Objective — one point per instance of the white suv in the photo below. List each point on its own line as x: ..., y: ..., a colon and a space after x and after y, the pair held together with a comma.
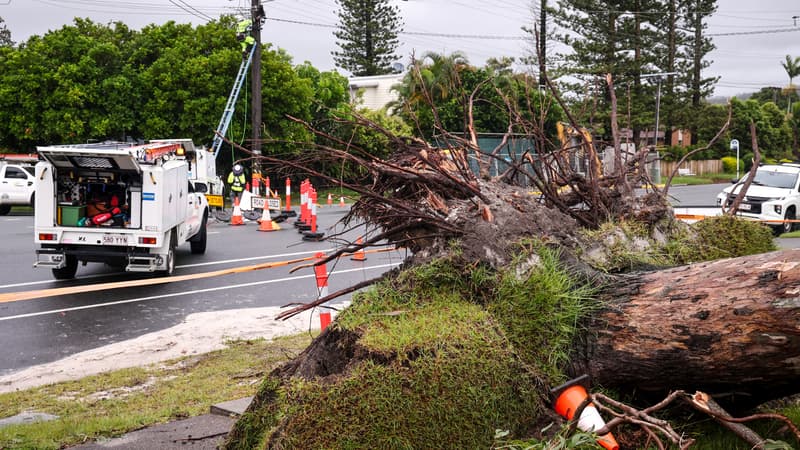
x: 772, y: 197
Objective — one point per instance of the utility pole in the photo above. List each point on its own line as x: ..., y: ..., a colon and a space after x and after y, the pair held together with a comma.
x: 257, y: 15
x: 659, y: 77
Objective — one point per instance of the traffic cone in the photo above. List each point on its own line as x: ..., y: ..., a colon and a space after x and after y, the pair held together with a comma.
x: 324, y: 319
x: 311, y: 234
x: 330, y: 199
x: 359, y: 254
x: 321, y: 275
x: 289, y: 211
x: 568, y: 397
x: 341, y: 201
x: 236, y: 218
x: 266, y: 223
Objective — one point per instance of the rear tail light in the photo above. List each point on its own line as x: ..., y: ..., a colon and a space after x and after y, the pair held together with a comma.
x: 47, y: 236
x: 147, y: 240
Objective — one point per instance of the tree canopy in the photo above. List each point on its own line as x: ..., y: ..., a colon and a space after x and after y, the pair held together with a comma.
x: 367, y: 36
x: 90, y: 81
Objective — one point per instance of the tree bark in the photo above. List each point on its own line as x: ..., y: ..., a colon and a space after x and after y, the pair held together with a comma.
x: 726, y: 326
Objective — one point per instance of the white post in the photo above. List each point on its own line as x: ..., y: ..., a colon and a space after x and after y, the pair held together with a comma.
x: 735, y: 146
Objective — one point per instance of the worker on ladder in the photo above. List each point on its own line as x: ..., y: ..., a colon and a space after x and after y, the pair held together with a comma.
x: 244, y: 36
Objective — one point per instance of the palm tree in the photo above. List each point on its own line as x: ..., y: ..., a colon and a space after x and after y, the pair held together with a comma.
x: 792, y: 67
x: 434, y: 75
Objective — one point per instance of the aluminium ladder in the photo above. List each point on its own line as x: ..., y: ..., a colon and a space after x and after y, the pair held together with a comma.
x: 227, y: 115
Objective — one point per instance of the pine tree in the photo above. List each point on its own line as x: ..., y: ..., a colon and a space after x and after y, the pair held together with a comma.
x: 697, y: 50
x: 367, y: 35
x: 5, y: 35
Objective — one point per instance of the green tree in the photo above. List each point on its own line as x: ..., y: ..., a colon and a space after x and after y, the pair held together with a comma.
x: 367, y: 36
x: 447, y: 82
x: 695, y: 15
x: 5, y: 35
x: 90, y: 81
x: 620, y: 38
x: 792, y: 67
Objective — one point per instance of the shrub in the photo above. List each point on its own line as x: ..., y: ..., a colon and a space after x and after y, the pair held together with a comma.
x: 729, y: 164
x: 723, y: 237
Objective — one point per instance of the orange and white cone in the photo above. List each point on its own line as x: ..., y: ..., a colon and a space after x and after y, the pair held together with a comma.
x: 236, y: 218
x: 266, y: 223
x: 341, y: 201
x: 321, y: 274
x: 330, y: 199
x: 359, y: 254
x: 568, y: 398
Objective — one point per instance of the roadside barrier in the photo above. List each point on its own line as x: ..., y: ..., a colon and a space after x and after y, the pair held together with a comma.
x: 304, y: 223
x: 256, y: 187
x: 702, y: 217
x: 321, y: 275
x: 289, y: 211
x: 571, y: 398
x: 236, y: 218
x: 312, y: 234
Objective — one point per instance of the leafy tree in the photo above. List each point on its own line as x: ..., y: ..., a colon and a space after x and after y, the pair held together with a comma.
x: 89, y: 81
x: 367, y: 35
x: 448, y: 82
x: 774, y: 133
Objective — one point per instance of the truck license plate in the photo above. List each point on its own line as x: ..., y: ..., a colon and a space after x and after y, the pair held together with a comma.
x: 115, y: 239
x: 744, y: 206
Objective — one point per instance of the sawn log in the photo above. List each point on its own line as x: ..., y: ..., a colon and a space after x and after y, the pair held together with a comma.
x: 726, y: 326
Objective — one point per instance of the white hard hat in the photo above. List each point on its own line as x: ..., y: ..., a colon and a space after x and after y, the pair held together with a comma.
x: 237, y: 169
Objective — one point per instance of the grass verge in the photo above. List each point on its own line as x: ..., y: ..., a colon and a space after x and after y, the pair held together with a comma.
x: 113, y: 403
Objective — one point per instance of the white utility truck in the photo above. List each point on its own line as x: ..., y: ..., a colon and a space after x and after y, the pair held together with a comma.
x: 122, y: 204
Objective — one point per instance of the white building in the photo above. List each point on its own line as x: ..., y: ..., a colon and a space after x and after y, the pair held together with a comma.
x: 377, y: 89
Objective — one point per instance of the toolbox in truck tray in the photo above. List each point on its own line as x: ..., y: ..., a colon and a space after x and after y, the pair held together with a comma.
x: 69, y: 215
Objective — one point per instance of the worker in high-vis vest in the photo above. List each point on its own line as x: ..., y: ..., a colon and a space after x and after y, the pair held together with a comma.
x: 244, y: 36
x: 237, y: 182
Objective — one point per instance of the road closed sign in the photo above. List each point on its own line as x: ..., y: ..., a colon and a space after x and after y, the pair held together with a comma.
x: 272, y: 203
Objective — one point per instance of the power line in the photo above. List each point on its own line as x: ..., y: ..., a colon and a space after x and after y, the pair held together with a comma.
x: 199, y: 14
x: 747, y: 33
x: 411, y: 33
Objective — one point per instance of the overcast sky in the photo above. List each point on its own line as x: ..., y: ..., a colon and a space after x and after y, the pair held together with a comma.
x: 752, y: 37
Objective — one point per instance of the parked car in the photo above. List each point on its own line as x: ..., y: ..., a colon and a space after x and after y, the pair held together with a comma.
x: 773, y: 196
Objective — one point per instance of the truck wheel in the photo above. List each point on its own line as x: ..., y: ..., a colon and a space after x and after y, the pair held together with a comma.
x: 68, y: 271
x: 170, y: 262
x: 788, y: 227
x: 5, y: 209
x: 199, y: 246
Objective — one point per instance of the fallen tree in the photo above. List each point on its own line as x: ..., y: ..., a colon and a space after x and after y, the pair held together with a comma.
x: 509, y: 293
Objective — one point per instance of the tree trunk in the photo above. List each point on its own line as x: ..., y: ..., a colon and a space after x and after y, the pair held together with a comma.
x: 726, y: 326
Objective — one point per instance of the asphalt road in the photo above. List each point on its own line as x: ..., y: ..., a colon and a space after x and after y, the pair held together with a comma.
x: 47, y: 329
